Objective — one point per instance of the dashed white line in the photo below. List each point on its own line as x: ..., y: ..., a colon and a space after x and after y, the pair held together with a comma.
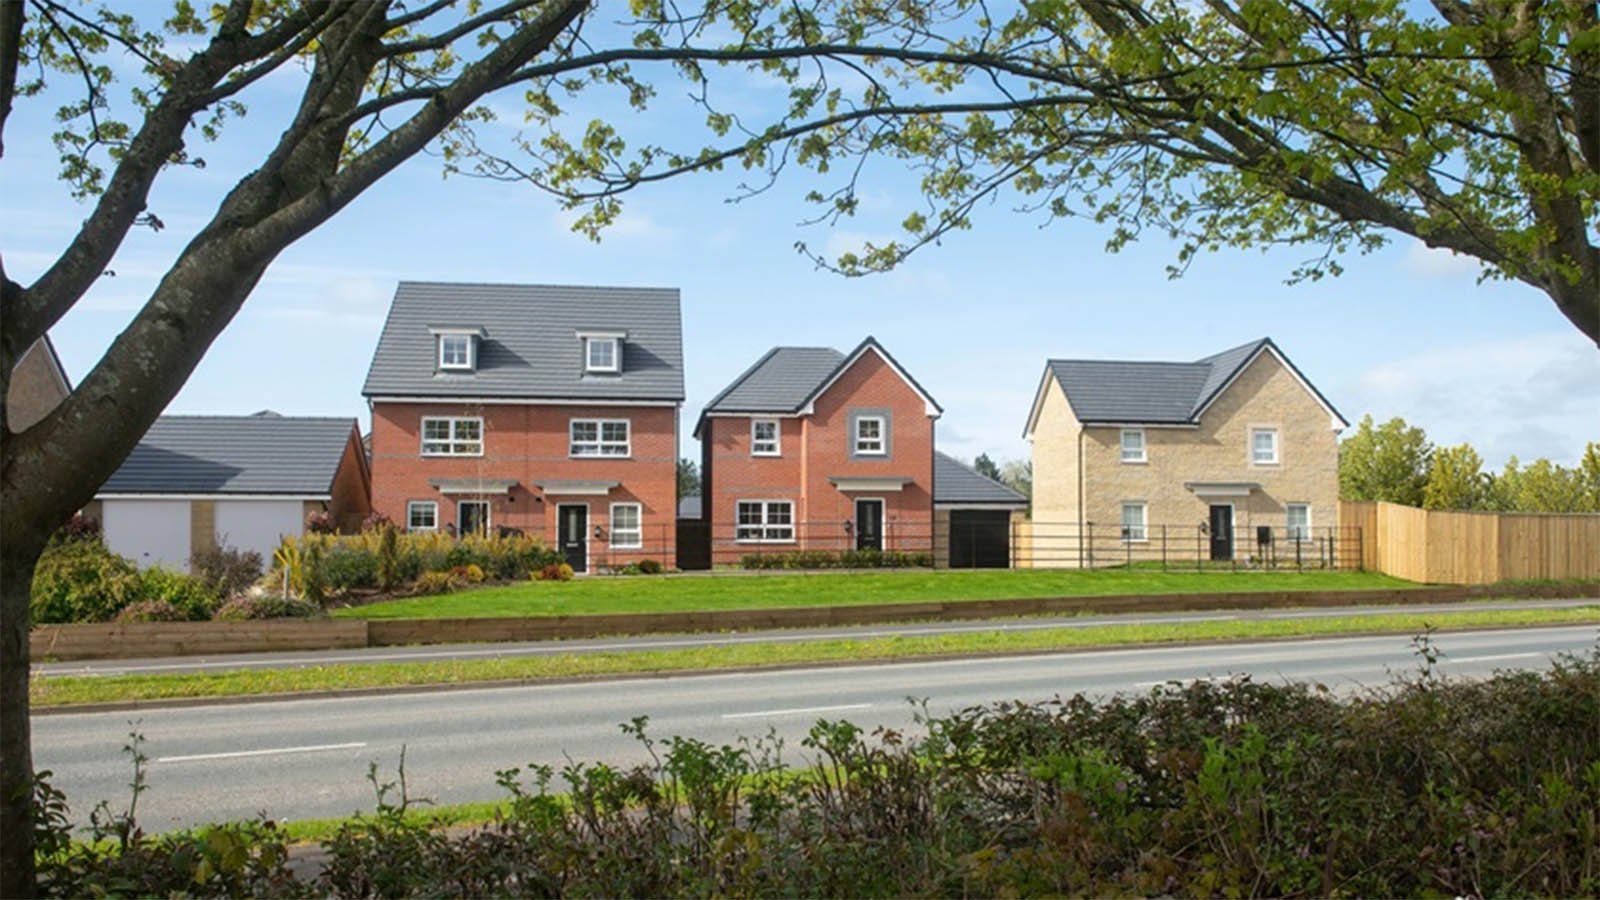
x: 1497, y: 656
x: 795, y: 711
x: 242, y: 753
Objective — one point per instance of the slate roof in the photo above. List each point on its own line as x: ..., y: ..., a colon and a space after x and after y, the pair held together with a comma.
x: 530, y: 346
x: 259, y: 454
x: 1164, y: 393
x: 956, y: 482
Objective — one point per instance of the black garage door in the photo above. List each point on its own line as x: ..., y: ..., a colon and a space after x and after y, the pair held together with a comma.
x: 980, y: 539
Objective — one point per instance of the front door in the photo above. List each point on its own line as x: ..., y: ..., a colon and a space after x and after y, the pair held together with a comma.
x: 869, y: 524
x: 573, y: 536
x: 1222, y: 532
x: 472, y: 517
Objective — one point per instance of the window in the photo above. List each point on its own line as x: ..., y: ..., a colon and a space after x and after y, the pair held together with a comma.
x: 472, y: 517
x: 626, y: 530
x: 764, y: 437
x: 455, y: 351
x: 765, y: 520
x: 1299, y: 521
x: 600, y: 354
x: 422, y: 515
x: 1133, y: 525
x: 1264, y: 446
x: 600, y: 437
x: 452, y: 436
x: 869, y: 436
x: 1133, y: 445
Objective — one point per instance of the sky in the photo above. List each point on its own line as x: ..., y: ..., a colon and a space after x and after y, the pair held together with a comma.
x: 1406, y: 331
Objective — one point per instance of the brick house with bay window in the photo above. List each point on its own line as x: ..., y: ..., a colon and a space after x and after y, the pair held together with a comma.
x: 814, y: 449
x: 552, y: 410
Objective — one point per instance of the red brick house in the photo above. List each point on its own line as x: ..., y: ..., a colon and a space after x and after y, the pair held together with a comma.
x: 552, y: 410
x: 813, y: 449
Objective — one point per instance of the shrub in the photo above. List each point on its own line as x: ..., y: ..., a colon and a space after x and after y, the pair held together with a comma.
x: 556, y: 572
x: 191, y: 597
x: 346, y: 566
x: 469, y: 573
x: 77, y: 528
x: 266, y: 606
x: 436, y: 583
x: 321, y: 522
x: 650, y: 566
x: 376, y: 521
x: 226, y: 570
x: 388, y: 552
x: 848, y: 559
x: 81, y: 581
x: 150, y: 611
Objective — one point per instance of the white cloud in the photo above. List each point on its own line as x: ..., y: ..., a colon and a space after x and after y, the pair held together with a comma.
x: 1530, y: 396
x: 1435, y: 262
x: 632, y: 225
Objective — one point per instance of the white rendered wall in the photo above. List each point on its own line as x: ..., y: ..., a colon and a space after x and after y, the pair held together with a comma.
x: 149, y: 532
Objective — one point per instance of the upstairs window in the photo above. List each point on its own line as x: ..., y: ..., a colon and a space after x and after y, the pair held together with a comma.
x: 602, y: 351
x: 455, y: 351
x: 1133, y: 445
x: 869, y: 436
x: 764, y: 437
x: 1264, y: 446
x: 452, y: 436
x: 600, y: 437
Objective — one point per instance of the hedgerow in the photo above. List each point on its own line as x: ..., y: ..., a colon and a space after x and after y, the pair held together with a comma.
x: 1425, y: 787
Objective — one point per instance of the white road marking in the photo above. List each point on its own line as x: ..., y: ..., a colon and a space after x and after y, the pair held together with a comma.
x: 796, y: 711
x: 240, y: 753
x: 1473, y: 659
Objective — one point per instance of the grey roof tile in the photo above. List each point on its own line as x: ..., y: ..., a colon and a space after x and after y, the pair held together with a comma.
x: 259, y: 454
x: 955, y: 482
x: 1102, y: 390
x: 530, y: 347
x: 780, y: 381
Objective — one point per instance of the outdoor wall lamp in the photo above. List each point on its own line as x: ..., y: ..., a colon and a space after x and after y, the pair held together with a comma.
x: 599, y: 532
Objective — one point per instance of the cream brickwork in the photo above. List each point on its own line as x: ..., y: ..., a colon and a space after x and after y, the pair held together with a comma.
x: 1266, y: 394
x: 1056, y: 482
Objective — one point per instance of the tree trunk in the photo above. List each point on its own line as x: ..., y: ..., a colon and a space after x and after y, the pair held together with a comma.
x: 17, y: 560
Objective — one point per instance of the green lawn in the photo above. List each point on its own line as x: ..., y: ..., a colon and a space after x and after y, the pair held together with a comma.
x: 71, y: 689
x: 605, y: 594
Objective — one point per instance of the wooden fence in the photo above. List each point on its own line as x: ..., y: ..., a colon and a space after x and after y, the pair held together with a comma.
x: 1447, y: 547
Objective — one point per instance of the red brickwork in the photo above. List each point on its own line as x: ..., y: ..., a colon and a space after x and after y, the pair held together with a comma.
x: 817, y: 447
x: 530, y: 443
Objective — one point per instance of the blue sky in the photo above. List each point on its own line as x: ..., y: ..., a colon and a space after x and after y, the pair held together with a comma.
x: 1406, y: 331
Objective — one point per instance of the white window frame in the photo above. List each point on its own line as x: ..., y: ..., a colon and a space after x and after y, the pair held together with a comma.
x: 453, y: 445
x: 758, y: 446
x: 1294, y: 532
x: 637, y: 531
x: 1127, y: 531
x: 766, y: 526
x: 1143, y: 454
x: 1277, y: 454
x: 469, y: 353
x: 589, y: 345
x: 882, y: 439
x: 596, y: 449
x: 415, y: 506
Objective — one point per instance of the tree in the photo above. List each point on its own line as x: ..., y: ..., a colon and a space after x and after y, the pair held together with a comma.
x: 1390, y: 463
x: 688, y: 478
x: 1017, y: 474
x: 1456, y: 479
x: 1541, y: 486
x: 985, y: 466
x: 1219, y: 123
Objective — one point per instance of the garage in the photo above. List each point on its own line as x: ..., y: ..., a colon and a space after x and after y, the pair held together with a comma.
x: 149, y: 532
x: 975, y: 518
x: 980, y: 539
x: 257, y: 525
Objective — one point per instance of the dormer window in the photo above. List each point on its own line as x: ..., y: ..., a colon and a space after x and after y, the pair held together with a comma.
x: 457, y: 348
x: 602, y: 351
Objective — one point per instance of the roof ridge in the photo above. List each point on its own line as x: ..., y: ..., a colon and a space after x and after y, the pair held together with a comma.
x: 253, y: 417
x: 536, y: 284
x: 1143, y: 362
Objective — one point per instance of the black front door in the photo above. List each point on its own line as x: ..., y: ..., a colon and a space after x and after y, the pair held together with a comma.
x: 573, y: 536
x: 869, y: 524
x: 1222, y: 532
x: 473, y: 516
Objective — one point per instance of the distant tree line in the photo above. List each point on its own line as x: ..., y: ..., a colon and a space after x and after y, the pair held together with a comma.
x: 1395, y: 462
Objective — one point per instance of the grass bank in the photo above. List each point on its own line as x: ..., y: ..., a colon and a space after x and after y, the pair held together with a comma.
x: 685, y: 593
x: 67, y: 690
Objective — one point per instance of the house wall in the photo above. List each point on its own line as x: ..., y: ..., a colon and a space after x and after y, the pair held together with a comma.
x: 1057, y: 486
x: 351, y: 494
x: 816, y: 448
x: 1266, y: 393
x: 530, y: 443
x: 35, y: 387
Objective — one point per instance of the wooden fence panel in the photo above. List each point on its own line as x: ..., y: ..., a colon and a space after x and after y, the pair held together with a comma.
x: 1455, y: 547
x: 1362, y: 515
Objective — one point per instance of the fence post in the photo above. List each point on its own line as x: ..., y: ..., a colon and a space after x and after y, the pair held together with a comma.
x: 1163, y: 548
x: 1089, y: 529
x: 1297, y: 564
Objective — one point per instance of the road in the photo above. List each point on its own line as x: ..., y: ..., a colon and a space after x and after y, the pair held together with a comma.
x: 301, y: 658
x: 308, y: 758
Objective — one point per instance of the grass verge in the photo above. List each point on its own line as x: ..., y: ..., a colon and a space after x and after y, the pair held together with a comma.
x: 67, y: 690
x: 754, y: 591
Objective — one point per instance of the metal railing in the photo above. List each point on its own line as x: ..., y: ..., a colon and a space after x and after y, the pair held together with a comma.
x: 1046, y: 544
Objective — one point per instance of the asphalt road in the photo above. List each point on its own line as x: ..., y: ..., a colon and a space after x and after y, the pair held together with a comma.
x: 309, y: 758
x: 301, y: 658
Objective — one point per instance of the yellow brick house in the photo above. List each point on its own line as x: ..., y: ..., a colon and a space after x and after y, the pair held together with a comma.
x: 1233, y: 457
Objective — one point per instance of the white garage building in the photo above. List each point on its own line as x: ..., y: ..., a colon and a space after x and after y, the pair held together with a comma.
x: 237, y: 481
